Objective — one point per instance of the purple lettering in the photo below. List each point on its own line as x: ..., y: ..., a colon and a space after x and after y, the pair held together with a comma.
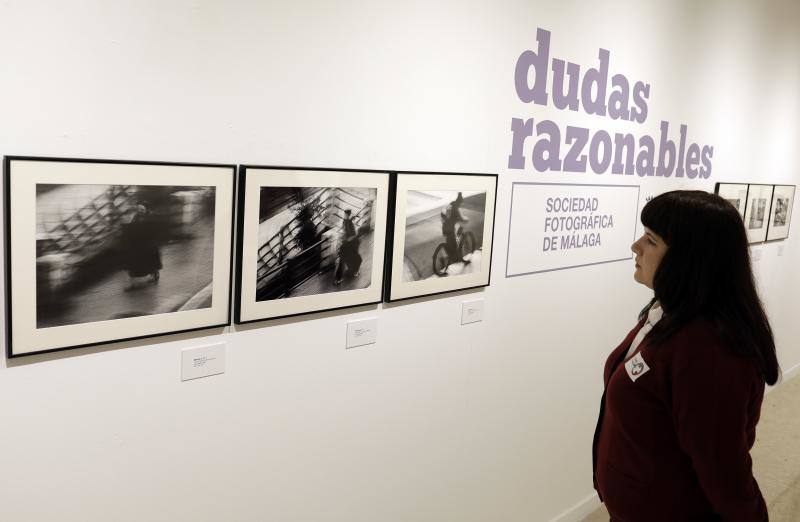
x: 708, y: 152
x: 681, y: 148
x: 623, y: 142
x: 618, y: 100
x: 599, y: 166
x: 569, y: 99
x: 644, y: 161
x: 547, y: 151
x: 519, y: 131
x: 667, y: 148
x: 538, y: 61
x: 641, y: 91
x: 692, y: 159
x: 574, y: 160
x: 599, y: 78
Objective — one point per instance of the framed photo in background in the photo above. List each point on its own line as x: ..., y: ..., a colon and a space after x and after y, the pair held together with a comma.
x: 780, y: 216
x: 309, y: 240
x: 441, y: 234
x: 756, y: 216
x: 104, y: 250
x: 735, y: 193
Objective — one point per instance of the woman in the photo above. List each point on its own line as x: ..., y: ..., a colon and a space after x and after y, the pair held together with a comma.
x: 141, y: 239
x: 348, y: 250
x: 683, y: 391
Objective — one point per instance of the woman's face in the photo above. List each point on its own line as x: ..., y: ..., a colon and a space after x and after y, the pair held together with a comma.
x: 649, y: 250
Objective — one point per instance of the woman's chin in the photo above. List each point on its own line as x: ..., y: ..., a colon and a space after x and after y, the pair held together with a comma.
x: 637, y: 276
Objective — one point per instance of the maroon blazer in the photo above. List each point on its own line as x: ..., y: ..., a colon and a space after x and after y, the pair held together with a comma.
x: 674, y: 434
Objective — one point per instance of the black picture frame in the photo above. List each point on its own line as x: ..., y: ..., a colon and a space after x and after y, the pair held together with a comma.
x: 51, y: 311
x: 755, y: 190
x: 403, y: 283
x: 777, y: 232
x: 281, y: 290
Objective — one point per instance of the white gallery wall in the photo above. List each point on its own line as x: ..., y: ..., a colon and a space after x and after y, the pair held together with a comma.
x: 435, y: 422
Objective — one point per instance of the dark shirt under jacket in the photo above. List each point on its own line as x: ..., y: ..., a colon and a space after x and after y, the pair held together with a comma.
x: 674, y: 445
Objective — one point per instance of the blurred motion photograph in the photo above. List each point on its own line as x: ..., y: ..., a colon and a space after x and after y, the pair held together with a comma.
x: 758, y: 210
x: 781, y: 211
x: 314, y: 240
x: 444, y: 233
x: 114, y: 251
x: 781, y: 214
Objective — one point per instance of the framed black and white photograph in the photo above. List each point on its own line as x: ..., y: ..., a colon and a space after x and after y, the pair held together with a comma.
x: 756, y: 216
x: 309, y: 240
x: 103, y: 250
x: 781, y: 214
x: 442, y: 233
x: 735, y: 193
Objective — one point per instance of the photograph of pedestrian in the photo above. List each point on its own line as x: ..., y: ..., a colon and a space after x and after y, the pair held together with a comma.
x: 349, y: 259
x: 757, y: 212
x: 310, y: 240
x: 143, y: 257
x: 100, y: 248
x: 121, y: 250
x: 781, y: 214
x: 781, y: 205
x: 443, y: 227
x: 443, y: 234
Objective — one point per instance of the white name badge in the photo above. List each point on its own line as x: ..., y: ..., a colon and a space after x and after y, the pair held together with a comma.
x: 636, y: 367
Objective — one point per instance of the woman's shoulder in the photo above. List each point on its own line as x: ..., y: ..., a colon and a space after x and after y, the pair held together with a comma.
x: 698, y: 330
x: 700, y: 345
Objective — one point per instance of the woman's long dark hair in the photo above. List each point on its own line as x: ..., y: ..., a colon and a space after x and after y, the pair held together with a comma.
x: 706, y: 273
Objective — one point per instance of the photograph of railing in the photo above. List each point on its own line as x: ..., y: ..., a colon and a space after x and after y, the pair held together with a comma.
x: 309, y: 240
x: 315, y: 241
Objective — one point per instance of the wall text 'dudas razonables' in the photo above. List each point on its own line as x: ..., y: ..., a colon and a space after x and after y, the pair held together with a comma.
x: 624, y: 153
